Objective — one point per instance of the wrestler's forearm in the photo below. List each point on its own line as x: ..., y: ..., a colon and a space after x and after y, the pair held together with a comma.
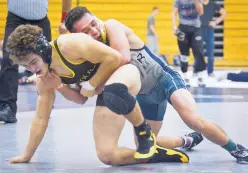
x: 39, y: 125
x: 105, y: 70
x: 73, y: 95
x: 37, y: 132
x: 199, y: 7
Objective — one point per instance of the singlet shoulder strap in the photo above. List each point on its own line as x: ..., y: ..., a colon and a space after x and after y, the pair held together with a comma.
x: 57, y: 49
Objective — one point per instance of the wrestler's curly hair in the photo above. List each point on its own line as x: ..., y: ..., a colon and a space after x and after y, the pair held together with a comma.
x: 73, y: 16
x: 22, y: 41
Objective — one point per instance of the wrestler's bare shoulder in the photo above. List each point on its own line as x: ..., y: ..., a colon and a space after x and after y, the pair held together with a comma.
x: 73, y: 36
x: 115, y: 23
x: 75, y: 43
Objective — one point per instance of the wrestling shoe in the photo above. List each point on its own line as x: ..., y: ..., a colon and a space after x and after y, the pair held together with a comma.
x: 7, y: 114
x: 191, y: 140
x: 241, y: 154
x: 169, y: 155
x: 146, y: 142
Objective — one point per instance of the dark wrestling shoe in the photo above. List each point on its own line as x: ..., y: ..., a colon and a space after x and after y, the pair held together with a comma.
x: 146, y: 142
x: 241, y: 154
x: 191, y: 140
x: 169, y: 155
x: 7, y: 115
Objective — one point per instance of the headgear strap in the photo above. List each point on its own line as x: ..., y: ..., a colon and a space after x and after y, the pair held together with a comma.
x: 44, y: 49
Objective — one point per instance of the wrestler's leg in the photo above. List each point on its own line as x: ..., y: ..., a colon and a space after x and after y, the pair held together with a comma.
x: 185, y: 105
x: 165, y: 141
x: 154, y: 115
x: 107, y: 127
x: 118, y: 96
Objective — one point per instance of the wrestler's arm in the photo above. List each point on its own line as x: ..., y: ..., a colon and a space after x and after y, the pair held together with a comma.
x: 52, y: 80
x: 118, y: 40
x: 40, y: 122
x: 83, y: 46
x: 73, y: 95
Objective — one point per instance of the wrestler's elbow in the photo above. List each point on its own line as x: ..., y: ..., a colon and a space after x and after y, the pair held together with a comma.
x: 115, y: 60
x: 125, y: 60
x: 81, y: 101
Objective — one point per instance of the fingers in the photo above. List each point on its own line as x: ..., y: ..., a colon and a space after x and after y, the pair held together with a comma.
x: 87, y: 93
x: 19, y: 159
x: 47, y: 78
x: 52, y: 80
x: 54, y: 75
x: 15, y: 160
x: 12, y: 160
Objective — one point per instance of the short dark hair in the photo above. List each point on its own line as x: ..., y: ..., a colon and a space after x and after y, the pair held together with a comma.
x: 73, y: 16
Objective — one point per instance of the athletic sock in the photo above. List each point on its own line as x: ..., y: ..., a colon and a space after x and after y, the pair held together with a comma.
x: 230, y: 146
x: 187, y: 141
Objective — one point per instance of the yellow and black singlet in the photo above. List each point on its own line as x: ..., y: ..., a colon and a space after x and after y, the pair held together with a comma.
x: 80, y: 71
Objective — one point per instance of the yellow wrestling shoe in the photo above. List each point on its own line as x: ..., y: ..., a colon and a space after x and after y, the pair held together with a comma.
x: 169, y: 155
x: 146, y: 142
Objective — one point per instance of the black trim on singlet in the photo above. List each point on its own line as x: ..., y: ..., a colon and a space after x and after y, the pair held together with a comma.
x: 83, y: 71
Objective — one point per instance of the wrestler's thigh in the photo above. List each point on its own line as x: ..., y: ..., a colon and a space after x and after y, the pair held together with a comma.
x: 128, y: 75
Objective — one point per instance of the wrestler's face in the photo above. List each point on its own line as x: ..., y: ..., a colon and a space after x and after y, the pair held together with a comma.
x: 88, y: 25
x: 35, y: 64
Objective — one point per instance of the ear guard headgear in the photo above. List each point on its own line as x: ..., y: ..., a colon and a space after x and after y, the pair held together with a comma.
x: 44, y: 49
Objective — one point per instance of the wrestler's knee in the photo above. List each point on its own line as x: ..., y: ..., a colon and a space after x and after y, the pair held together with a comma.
x: 118, y: 99
x: 192, y: 118
x: 106, y: 156
x: 196, y: 124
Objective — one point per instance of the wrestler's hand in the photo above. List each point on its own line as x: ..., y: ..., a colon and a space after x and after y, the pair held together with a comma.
x: 52, y: 80
x: 62, y: 29
x: 18, y: 159
x: 87, y: 93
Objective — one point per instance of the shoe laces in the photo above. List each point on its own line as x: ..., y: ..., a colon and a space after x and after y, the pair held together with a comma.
x: 194, y: 135
x: 240, y: 153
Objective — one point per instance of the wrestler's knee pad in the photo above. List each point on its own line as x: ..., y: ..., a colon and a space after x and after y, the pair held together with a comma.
x: 117, y: 98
